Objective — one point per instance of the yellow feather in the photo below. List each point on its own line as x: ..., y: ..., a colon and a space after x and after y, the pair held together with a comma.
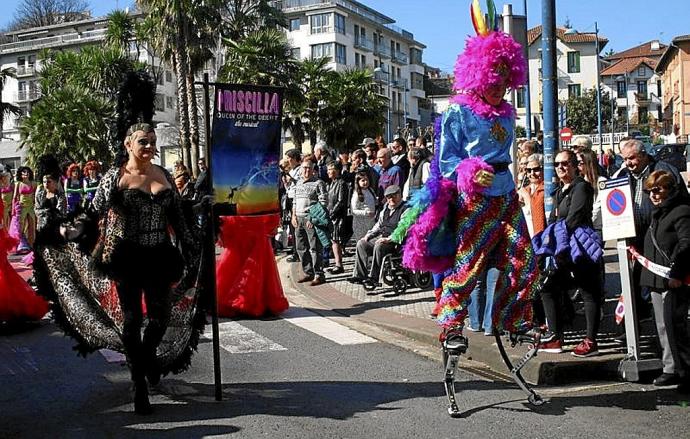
x: 478, y: 17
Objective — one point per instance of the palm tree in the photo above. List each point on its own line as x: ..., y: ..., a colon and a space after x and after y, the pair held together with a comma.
x: 168, y: 32
x: 241, y: 17
x: 7, y: 108
x: 353, y: 108
x: 302, y: 110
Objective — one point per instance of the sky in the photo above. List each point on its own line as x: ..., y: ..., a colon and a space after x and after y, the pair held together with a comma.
x: 443, y: 25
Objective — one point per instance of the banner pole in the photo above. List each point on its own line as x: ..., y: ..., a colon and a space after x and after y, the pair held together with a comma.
x: 210, y: 248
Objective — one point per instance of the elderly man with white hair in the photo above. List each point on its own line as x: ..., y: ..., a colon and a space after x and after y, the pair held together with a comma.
x: 323, y: 157
x: 637, y: 165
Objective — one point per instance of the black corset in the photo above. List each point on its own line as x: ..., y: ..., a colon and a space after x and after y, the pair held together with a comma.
x: 146, y: 216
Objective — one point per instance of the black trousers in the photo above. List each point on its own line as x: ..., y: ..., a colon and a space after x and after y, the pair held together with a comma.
x: 141, y: 352
x: 584, y: 276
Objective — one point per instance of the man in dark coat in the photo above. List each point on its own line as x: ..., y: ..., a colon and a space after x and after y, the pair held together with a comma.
x: 637, y: 166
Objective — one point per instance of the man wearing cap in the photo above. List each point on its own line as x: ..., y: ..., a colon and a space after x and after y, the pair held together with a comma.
x: 377, y: 241
x: 370, y: 147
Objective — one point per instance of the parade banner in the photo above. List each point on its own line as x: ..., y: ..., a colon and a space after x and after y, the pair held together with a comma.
x: 245, y: 149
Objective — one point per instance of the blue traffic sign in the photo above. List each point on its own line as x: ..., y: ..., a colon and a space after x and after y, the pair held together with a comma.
x: 616, y: 202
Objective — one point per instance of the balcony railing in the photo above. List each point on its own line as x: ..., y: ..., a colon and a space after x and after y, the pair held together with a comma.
x: 382, y: 51
x: 399, y: 57
x: 58, y: 40
x: 364, y: 43
x: 642, y: 98
x: 30, y: 95
x: 400, y: 83
x: 26, y: 71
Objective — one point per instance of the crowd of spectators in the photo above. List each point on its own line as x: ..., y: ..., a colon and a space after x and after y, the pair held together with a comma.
x: 365, y: 191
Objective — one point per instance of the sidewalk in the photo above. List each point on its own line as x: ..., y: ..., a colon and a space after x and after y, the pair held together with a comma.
x: 408, y: 314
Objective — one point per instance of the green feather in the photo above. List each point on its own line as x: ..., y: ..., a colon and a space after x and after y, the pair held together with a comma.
x: 491, y: 10
x: 408, y: 218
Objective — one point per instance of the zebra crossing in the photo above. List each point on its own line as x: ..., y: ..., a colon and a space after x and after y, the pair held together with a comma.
x: 236, y: 338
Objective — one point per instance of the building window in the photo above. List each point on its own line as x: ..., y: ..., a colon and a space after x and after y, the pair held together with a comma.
x: 417, y: 81
x: 643, y: 115
x: 642, y: 89
x: 357, y: 60
x: 320, y: 23
x: 520, y: 97
x: 574, y: 91
x: 159, y: 102
x: 322, y: 50
x: 168, y: 76
x: 159, y: 78
x: 364, y: 61
x: 296, y: 53
x: 641, y: 71
x: 621, y: 89
x: 415, y: 56
x: 170, y: 102
x: 295, y: 23
x: 21, y: 61
x: 340, y: 24
x: 573, y: 62
x: 340, y: 54
x: 621, y: 113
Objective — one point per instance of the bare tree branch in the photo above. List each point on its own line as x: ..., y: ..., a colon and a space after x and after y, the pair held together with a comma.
x: 37, y: 13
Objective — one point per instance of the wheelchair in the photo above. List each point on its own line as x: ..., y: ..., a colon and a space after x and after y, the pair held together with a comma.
x: 400, y: 278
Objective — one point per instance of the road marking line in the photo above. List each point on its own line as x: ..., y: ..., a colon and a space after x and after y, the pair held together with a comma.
x: 112, y: 356
x: 237, y: 339
x: 324, y: 327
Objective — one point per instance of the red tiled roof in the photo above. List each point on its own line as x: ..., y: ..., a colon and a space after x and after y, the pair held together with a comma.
x: 644, y: 49
x: 627, y: 65
x: 584, y: 37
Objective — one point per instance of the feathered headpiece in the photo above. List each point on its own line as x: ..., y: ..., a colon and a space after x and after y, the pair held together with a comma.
x: 489, y: 58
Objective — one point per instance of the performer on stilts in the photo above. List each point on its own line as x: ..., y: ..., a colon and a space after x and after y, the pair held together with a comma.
x: 468, y: 212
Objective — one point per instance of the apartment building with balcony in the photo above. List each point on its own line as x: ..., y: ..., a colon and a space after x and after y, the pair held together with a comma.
x: 632, y: 82
x: 357, y: 36
x: 674, y: 69
x: 20, y: 52
x: 576, y: 67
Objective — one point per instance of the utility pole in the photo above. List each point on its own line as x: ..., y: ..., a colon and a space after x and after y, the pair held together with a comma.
x: 596, y: 38
x: 550, y: 96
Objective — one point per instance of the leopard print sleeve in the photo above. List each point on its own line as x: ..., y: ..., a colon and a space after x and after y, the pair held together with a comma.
x: 106, y: 188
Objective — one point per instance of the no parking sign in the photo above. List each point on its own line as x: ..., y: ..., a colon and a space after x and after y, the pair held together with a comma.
x: 618, y: 219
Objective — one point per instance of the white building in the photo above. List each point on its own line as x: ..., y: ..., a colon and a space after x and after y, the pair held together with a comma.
x: 356, y: 36
x: 21, y: 54
x: 631, y: 79
x: 576, y: 67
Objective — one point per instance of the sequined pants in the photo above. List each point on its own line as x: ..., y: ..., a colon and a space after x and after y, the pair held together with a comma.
x: 491, y: 229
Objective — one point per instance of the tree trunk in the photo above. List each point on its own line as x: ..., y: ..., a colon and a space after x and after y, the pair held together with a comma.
x: 193, y: 123
x: 182, y: 107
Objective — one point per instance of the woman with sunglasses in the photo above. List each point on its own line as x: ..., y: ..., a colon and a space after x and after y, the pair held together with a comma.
x: 573, y: 201
x: 532, y: 196
x: 667, y: 243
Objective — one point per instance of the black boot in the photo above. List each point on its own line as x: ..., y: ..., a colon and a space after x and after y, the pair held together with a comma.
x: 142, y: 406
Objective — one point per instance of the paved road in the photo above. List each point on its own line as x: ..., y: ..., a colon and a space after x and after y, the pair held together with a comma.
x: 303, y: 376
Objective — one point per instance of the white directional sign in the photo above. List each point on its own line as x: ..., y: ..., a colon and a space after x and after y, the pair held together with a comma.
x: 618, y: 220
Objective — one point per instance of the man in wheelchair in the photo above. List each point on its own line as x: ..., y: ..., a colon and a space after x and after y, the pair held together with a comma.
x: 376, y: 243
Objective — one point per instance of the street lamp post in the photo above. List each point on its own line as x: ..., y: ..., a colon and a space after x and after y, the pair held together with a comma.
x: 388, y: 93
